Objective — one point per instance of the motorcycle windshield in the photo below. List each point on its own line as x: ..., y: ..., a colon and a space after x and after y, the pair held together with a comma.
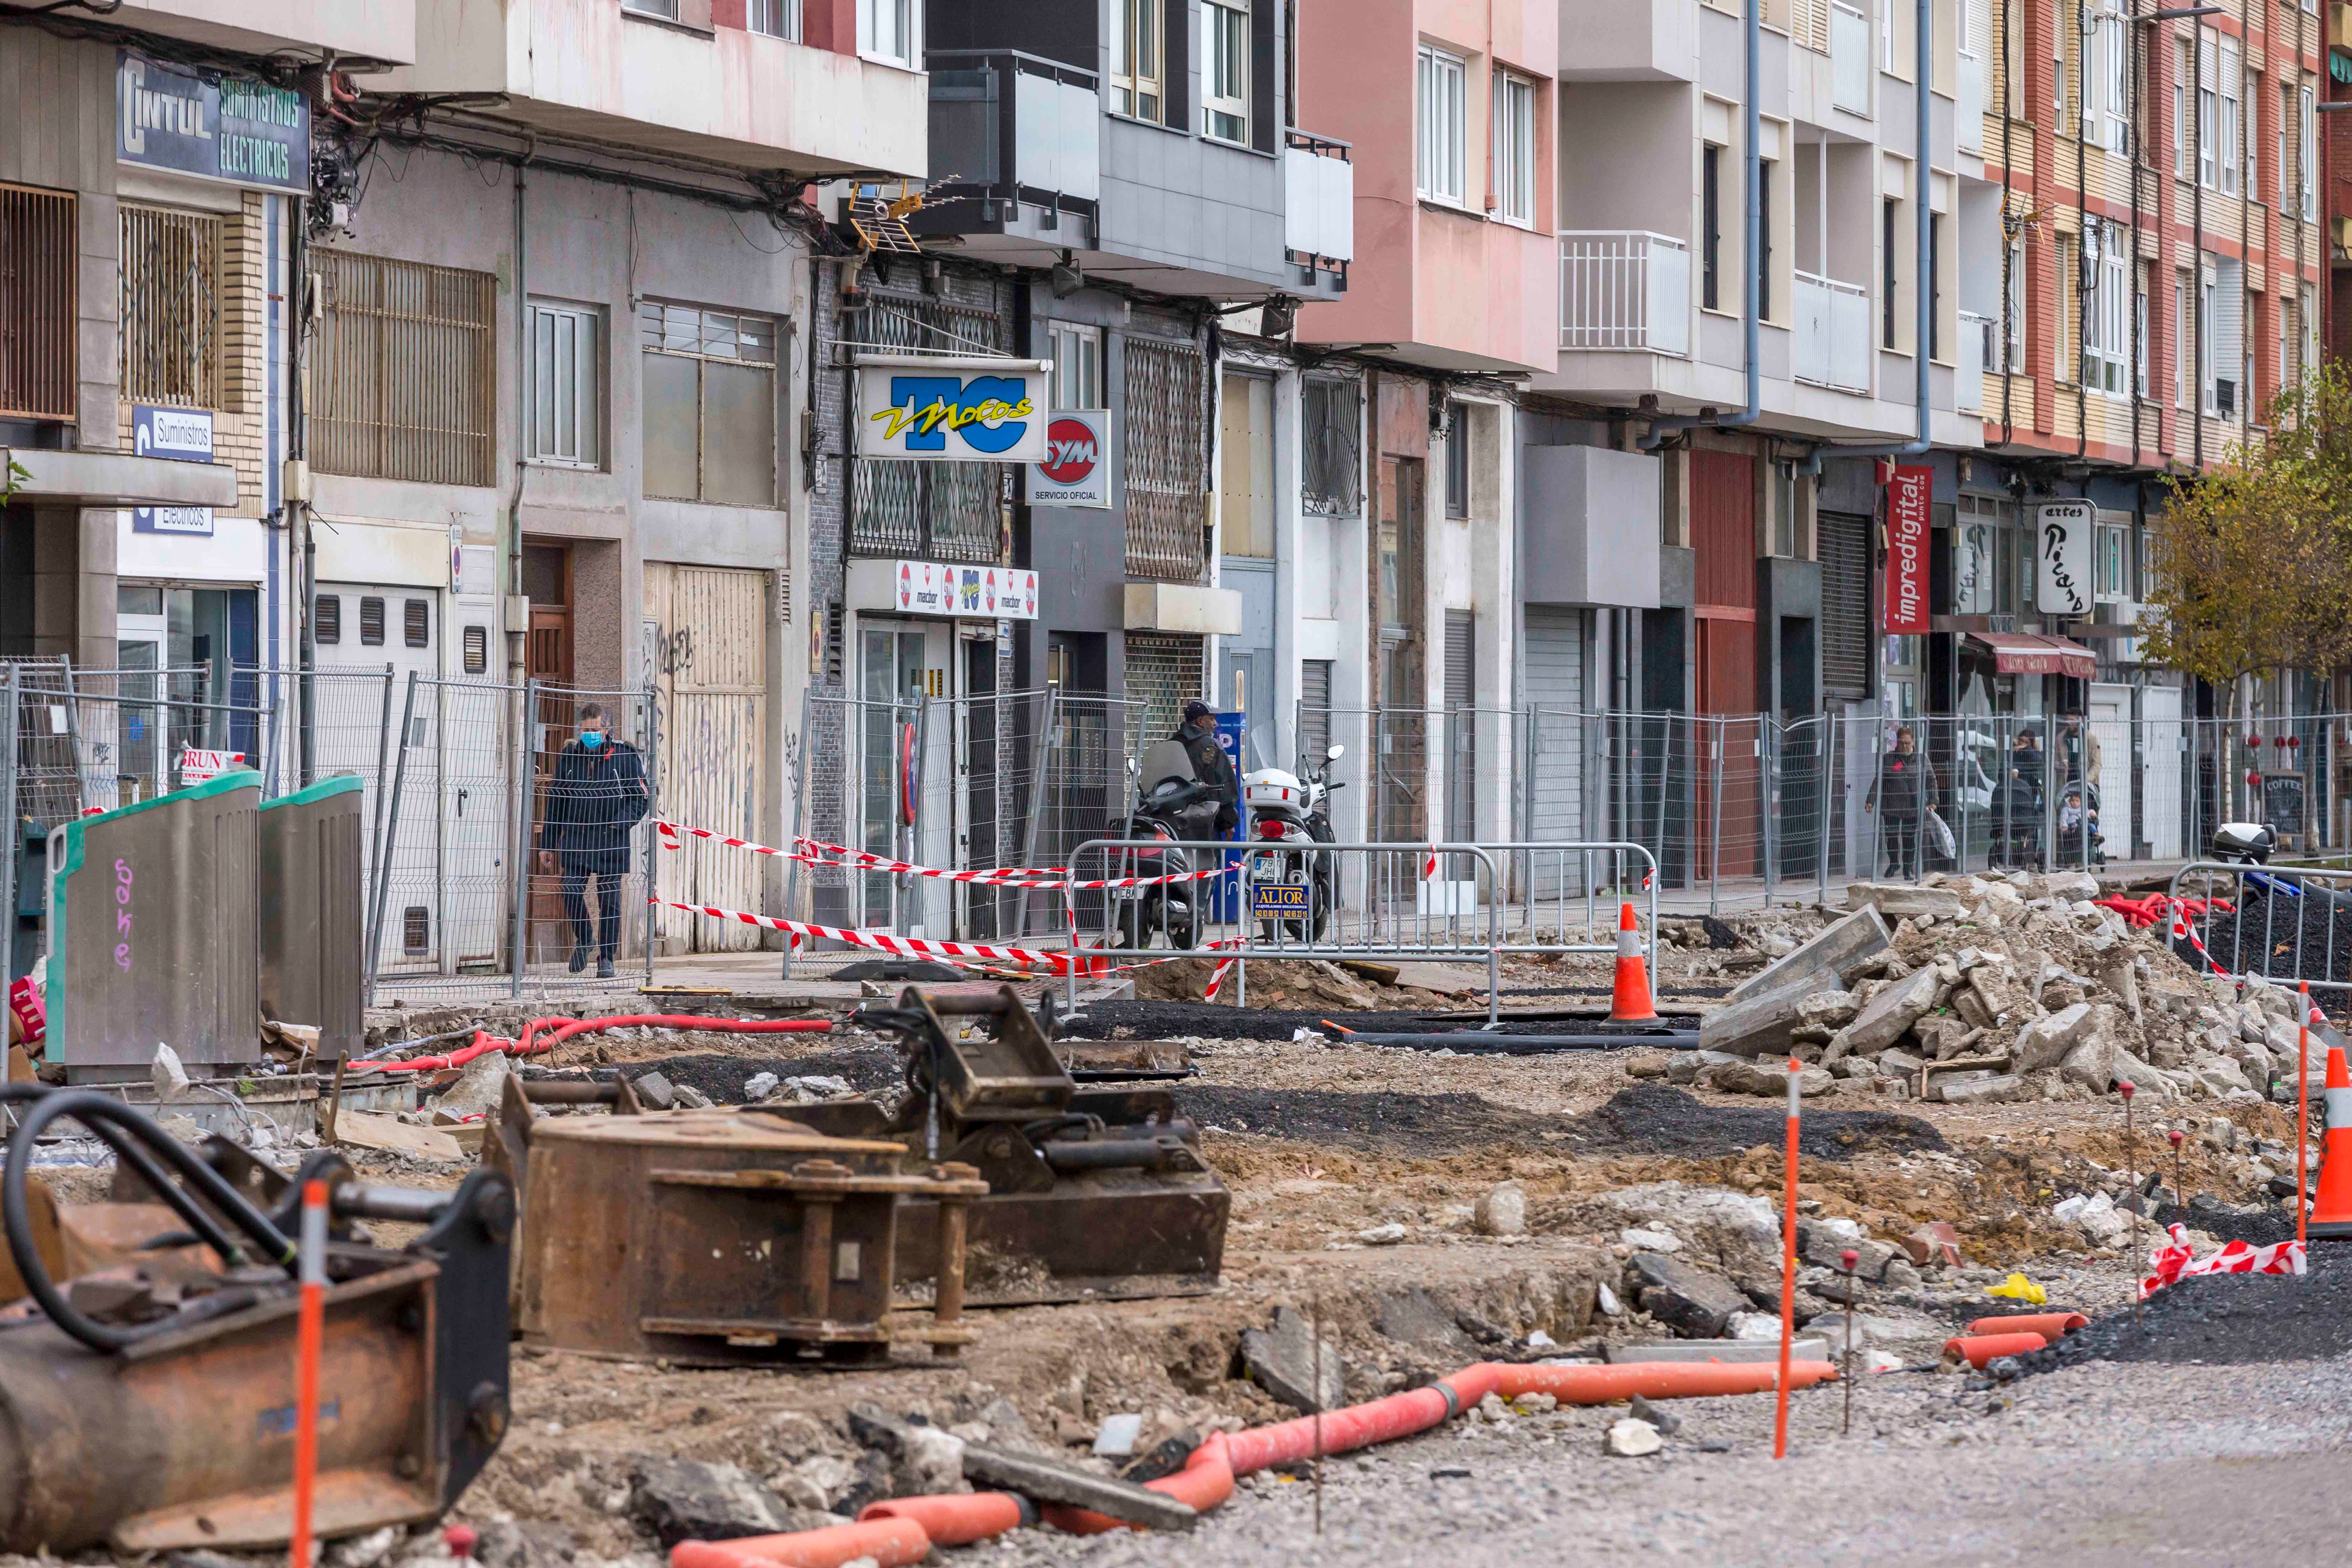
x: 1162, y: 761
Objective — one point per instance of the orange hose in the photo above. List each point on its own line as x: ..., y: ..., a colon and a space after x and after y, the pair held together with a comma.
x: 891, y: 1543
x: 956, y: 1519
x: 2049, y: 1325
x: 1656, y: 1380
x: 1978, y: 1348
x: 564, y: 1029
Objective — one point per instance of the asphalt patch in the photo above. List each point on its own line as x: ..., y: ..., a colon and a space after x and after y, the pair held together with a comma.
x: 1150, y: 1020
x: 1656, y: 1119
x: 1418, y: 1124
x: 2225, y: 1320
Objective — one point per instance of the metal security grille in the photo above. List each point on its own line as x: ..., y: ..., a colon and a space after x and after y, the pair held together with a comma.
x: 1163, y: 673
x: 1166, y: 464
x: 38, y: 263
x: 170, y: 307
x: 1334, y: 420
x: 406, y: 372
x: 1461, y: 724
x: 1846, y: 605
x: 941, y: 511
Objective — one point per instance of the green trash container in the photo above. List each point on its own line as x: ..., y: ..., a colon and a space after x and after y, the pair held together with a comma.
x: 310, y: 876
x: 152, y: 917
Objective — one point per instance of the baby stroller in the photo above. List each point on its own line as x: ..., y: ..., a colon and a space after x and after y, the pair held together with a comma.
x: 2014, y: 819
x: 2070, y: 827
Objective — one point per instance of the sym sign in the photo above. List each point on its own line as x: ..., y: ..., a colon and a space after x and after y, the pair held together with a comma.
x: 1908, y: 495
x: 931, y: 408
x: 2062, y: 558
x: 1076, y: 470
x: 229, y: 127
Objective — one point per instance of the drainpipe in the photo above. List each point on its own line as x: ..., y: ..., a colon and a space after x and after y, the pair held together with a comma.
x: 1752, y: 227
x: 1923, y: 286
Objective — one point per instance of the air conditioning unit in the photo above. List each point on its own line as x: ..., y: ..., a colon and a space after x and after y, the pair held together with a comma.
x: 2339, y: 28
x: 2342, y: 229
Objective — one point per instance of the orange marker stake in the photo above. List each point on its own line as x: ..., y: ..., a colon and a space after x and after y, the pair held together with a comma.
x: 310, y: 1332
x: 2303, y: 1117
x: 1788, y: 1275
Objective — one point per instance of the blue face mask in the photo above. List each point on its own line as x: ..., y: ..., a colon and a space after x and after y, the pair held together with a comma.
x: 591, y: 738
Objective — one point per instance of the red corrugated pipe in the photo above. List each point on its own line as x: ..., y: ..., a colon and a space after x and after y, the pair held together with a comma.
x: 1978, y: 1348
x: 2049, y: 1325
x: 564, y: 1029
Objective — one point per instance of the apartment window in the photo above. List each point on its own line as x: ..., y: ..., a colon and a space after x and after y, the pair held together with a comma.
x: 1710, y: 206
x: 2307, y: 319
x: 1225, y: 96
x: 709, y: 405
x: 1442, y: 111
x: 2181, y: 108
x: 666, y: 8
x: 2208, y: 108
x: 1934, y: 286
x: 1136, y: 38
x: 1164, y: 454
x: 2139, y: 329
x: 1076, y: 352
x: 40, y: 250
x: 2286, y: 161
x: 2061, y: 359
x: 1515, y: 148
x: 2233, y: 83
x: 1889, y: 225
x: 2306, y: 158
x: 1764, y: 169
x: 776, y: 18
x: 171, y: 276
x: 2104, y: 78
x: 890, y: 31
x: 405, y: 382
x: 2111, y: 568
x: 2180, y: 340
x: 1332, y: 413
x: 2105, y: 301
x: 567, y: 386
x: 2250, y: 133
x: 2013, y: 352
x: 2205, y: 293
x: 1457, y: 463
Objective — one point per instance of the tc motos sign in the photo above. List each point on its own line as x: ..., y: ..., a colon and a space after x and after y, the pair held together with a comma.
x: 934, y: 409
x: 2062, y: 558
x: 1076, y: 470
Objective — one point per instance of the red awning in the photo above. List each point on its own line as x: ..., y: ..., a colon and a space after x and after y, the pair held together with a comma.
x: 2022, y: 653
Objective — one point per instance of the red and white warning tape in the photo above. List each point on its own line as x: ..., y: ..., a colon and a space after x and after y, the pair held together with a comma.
x: 2178, y: 1261
x: 861, y: 861
x: 2184, y: 931
x: 957, y: 953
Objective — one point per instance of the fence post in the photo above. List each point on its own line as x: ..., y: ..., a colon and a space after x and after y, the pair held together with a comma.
x: 653, y: 804
x: 1830, y: 727
x: 799, y: 826
x: 526, y: 778
x: 73, y: 739
x: 1768, y: 770
x: 375, y: 828
x: 1715, y: 816
x: 9, y: 755
x: 1041, y: 753
x: 390, y: 832
x: 1877, y: 777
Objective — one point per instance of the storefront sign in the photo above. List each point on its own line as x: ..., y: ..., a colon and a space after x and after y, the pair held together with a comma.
x: 180, y: 435
x: 189, y: 521
x: 977, y: 593
x: 235, y: 129
x: 2062, y: 558
x: 1908, y: 495
x: 1076, y: 470
x: 939, y: 410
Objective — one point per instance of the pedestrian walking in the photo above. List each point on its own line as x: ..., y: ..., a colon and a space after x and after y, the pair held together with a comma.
x: 595, y: 796
x: 1903, y: 795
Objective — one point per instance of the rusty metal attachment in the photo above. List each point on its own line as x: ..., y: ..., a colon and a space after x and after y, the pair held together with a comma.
x: 181, y: 1435
x: 1092, y: 1192
x: 723, y: 1238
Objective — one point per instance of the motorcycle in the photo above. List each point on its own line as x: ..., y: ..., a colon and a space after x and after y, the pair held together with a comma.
x: 2244, y: 843
x: 1288, y: 808
x: 1172, y: 807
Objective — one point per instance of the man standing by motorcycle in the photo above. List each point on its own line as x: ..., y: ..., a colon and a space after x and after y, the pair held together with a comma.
x: 1198, y: 735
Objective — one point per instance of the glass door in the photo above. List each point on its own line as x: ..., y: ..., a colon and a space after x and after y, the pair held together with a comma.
x: 891, y: 690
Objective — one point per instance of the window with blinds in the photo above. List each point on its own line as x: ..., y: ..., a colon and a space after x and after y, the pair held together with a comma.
x: 1160, y: 431
x: 405, y: 377
x: 170, y: 277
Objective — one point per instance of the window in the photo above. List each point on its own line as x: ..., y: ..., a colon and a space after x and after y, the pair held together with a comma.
x: 1515, y: 148
x: 1333, y: 415
x: 1710, y: 206
x: 2306, y: 158
x: 2013, y: 352
x: 415, y: 623
x: 40, y: 247
x: 327, y: 618
x: 1764, y: 238
x: 709, y: 404
x: 2306, y: 318
x: 2232, y: 84
x: 2250, y: 133
x: 2063, y: 363
x: 1163, y: 450
x: 2181, y: 108
x: 1457, y: 462
x: 2139, y: 329
x: 776, y: 18
x: 1136, y: 39
x: 2208, y: 108
x: 1076, y: 352
x: 2286, y: 161
x: 890, y: 31
x: 371, y: 622
x: 1889, y: 225
x: 2180, y: 340
x: 1442, y: 111
x: 2205, y: 293
x: 1934, y: 286
x: 171, y: 274
x: 2111, y: 569
x: 2106, y: 341
x: 405, y: 382
x: 652, y: 7
x: 567, y: 386
x: 415, y: 929
x: 1224, y: 87
x: 2105, y: 72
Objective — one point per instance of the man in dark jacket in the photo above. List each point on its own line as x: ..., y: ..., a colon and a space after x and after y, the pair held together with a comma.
x: 596, y: 796
x: 1198, y: 735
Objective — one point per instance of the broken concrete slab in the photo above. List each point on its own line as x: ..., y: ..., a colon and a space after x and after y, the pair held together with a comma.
x: 2045, y: 1041
x: 1766, y: 1079
x: 373, y: 1130
x: 687, y: 1499
x: 1282, y: 1361
x: 1838, y: 950
x: 654, y: 1091
x: 1806, y: 1348
x: 1689, y: 1299
x: 1759, y: 1026
x: 924, y: 1459
x: 480, y: 1086
x: 1043, y: 1481
x: 1900, y: 900
x: 1888, y: 1015
x: 1993, y: 1089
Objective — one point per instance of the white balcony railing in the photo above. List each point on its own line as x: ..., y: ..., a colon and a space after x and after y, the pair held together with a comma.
x: 1849, y: 58
x: 1979, y: 348
x: 1624, y: 291
x: 1969, y: 112
x: 1831, y: 343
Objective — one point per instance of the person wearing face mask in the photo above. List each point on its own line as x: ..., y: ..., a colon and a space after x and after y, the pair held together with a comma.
x: 596, y: 794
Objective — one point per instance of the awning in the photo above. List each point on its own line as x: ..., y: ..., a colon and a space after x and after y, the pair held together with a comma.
x: 2022, y: 653
x: 118, y: 479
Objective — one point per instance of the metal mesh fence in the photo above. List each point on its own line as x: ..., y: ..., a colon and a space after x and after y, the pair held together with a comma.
x: 443, y: 875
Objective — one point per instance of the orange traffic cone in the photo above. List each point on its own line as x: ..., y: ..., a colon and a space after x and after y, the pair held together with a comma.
x: 1632, y: 1003
x: 2331, y: 1210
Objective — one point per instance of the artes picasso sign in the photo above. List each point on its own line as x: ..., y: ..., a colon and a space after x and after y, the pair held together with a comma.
x: 930, y: 408
x: 216, y: 126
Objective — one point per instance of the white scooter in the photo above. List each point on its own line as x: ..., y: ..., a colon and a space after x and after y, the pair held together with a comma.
x: 1288, y: 808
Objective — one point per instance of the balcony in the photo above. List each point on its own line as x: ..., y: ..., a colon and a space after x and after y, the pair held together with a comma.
x: 1980, y: 352
x: 1319, y: 210
x: 1625, y: 292
x: 1628, y: 40
x: 1831, y: 343
x: 379, y: 30
x: 1850, y: 59
x: 1016, y: 148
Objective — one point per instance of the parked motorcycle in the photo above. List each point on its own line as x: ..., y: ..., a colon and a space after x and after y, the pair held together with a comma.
x: 2244, y: 843
x: 1289, y: 808
x: 1172, y: 807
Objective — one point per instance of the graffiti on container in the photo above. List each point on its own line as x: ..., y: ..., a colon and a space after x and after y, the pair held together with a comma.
x: 122, y: 913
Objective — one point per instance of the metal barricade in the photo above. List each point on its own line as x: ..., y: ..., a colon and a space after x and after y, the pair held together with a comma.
x: 2285, y: 924
x: 1552, y: 882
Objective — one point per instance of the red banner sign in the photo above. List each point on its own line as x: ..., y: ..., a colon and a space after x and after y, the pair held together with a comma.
x: 1908, y: 494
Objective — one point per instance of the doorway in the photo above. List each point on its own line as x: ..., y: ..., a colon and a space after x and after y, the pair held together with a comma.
x: 180, y: 649
x: 905, y: 766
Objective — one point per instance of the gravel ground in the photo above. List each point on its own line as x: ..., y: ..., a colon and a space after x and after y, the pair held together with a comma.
x: 2097, y: 1466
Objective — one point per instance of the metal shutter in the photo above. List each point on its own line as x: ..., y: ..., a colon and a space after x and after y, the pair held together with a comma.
x: 1554, y: 673
x: 1314, y: 708
x: 1163, y: 673
x: 1461, y: 724
x: 1845, y: 605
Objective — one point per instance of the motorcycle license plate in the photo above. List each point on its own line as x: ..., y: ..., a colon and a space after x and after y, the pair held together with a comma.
x: 1126, y: 894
